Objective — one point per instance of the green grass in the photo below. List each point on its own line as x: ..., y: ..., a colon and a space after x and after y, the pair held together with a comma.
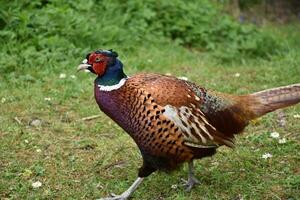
x: 77, y: 159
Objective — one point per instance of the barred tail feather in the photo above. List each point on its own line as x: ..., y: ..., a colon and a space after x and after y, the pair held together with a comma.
x: 276, y: 98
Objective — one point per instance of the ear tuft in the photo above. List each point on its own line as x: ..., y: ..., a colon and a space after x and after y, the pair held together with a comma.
x: 109, y: 53
x: 113, y: 53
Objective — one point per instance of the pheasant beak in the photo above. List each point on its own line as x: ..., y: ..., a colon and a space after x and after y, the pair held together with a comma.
x: 83, y: 66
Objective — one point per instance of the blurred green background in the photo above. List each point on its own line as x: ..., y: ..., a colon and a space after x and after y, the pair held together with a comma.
x: 233, y: 46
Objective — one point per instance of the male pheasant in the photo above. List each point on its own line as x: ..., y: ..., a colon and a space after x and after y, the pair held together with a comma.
x: 174, y: 121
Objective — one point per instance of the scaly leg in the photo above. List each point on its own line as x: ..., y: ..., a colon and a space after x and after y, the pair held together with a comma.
x: 127, y: 193
x: 192, y: 180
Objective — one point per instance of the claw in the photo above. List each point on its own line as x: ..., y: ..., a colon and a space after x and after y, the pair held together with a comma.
x: 125, y: 194
x: 114, y: 197
x: 190, y: 183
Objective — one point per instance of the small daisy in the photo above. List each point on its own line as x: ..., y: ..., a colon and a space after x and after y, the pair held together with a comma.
x: 282, y: 141
x: 36, y: 184
x: 174, y: 186
x: 274, y: 135
x: 297, y: 116
x: 267, y: 155
x: 237, y: 75
x: 3, y: 100
x: 38, y: 150
x: 47, y: 99
x: 62, y: 75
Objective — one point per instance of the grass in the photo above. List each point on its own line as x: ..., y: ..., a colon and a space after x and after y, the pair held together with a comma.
x: 76, y: 159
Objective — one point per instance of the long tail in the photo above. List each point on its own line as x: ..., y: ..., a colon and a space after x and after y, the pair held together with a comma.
x: 272, y: 99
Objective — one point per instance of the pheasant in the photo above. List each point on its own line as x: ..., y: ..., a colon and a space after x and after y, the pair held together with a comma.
x: 174, y: 121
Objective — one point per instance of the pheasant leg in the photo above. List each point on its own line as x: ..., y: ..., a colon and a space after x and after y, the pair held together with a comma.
x: 192, y: 180
x: 127, y: 193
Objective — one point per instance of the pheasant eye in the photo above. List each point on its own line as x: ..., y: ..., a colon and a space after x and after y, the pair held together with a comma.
x: 98, y: 59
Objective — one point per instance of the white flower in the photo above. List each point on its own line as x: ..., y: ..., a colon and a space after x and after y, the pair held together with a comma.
x: 274, y: 135
x: 47, y: 99
x: 237, y: 74
x: 282, y: 141
x: 168, y: 74
x: 62, y: 75
x: 38, y: 150
x: 183, y: 78
x: 297, y: 116
x: 36, y: 184
x: 3, y: 100
x: 26, y: 141
x: 72, y: 76
x: 174, y: 186
x: 267, y: 155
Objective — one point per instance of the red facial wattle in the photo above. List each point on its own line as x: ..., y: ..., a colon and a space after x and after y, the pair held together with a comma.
x: 99, y: 67
x: 98, y: 63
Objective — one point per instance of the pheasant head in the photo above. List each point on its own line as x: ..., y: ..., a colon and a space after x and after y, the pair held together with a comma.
x: 98, y: 61
x: 105, y: 64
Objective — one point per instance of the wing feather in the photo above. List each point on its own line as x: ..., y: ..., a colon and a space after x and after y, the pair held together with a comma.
x: 196, y: 129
